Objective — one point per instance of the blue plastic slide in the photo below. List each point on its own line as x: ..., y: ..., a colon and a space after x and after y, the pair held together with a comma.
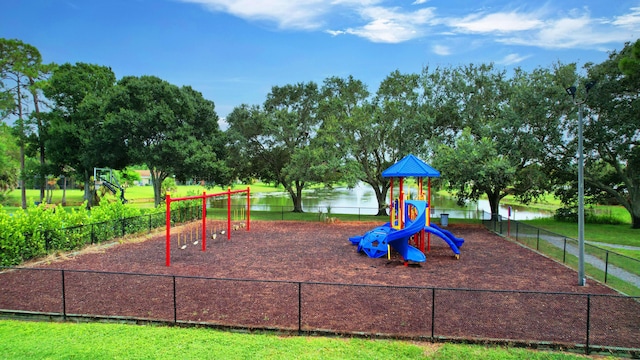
x: 374, y: 243
x: 448, y: 237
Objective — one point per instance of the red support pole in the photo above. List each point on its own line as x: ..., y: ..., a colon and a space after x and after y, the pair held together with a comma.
x: 229, y: 213
x: 204, y: 221
x: 248, y: 207
x: 168, y: 229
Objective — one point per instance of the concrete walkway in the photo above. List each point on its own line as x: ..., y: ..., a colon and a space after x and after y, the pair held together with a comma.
x: 572, y: 248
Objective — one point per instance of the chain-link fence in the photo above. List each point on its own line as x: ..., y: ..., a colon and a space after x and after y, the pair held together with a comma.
x: 620, y: 271
x: 43, y: 242
x: 592, y: 322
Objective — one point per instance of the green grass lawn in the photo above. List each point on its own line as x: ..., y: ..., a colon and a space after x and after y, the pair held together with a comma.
x: 605, y: 233
x: 47, y: 340
x: 135, y: 194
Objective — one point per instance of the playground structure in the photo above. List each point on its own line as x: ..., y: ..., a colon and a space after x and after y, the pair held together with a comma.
x: 105, y: 177
x: 203, y: 234
x: 410, y: 219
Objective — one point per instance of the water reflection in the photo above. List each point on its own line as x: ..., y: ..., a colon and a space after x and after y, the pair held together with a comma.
x: 362, y: 200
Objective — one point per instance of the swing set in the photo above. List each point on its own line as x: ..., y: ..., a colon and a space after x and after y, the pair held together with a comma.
x: 204, y: 197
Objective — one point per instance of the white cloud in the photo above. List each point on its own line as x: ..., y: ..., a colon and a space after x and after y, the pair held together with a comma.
x: 631, y: 20
x: 573, y: 32
x: 497, y: 22
x: 442, y: 50
x: 376, y: 22
x: 300, y: 14
x: 390, y: 25
x: 512, y: 59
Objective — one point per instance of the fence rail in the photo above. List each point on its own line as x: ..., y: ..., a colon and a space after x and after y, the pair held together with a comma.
x: 582, y: 321
x: 604, y: 265
x: 40, y: 242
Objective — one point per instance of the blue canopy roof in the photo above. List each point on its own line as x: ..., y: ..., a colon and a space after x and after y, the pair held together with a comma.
x: 410, y: 166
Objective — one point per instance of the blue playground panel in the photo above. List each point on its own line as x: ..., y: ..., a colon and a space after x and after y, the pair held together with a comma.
x: 374, y: 242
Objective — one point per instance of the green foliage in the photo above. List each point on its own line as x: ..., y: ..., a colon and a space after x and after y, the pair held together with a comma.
x: 40, y: 230
x: 630, y: 64
x: 9, y: 161
x: 128, y: 176
x: 570, y: 214
x: 280, y: 143
x: 169, y: 185
x: 74, y: 120
x: 173, y: 131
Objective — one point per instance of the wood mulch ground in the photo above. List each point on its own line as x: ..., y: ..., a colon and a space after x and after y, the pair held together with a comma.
x: 317, y: 261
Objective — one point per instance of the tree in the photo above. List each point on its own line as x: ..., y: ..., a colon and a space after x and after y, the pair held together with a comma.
x: 340, y: 100
x: 172, y: 130
x: 74, y: 120
x: 629, y: 64
x: 37, y: 119
x: 473, y: 167
x: 612, y: 131
x: 9, y: 160
x: 7, y: 104
x: 127, y: 176
x: 21, y: 66
x: 279, y: 142
x: 509, y: 125
x: 378, y: 132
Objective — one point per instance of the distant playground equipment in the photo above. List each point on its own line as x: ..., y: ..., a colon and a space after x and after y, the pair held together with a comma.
x: 195, y: 234
x: 105, y: 177
x: 410, y: 219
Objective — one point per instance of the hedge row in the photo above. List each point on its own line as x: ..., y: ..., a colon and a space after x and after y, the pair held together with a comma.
x: 41, y: 230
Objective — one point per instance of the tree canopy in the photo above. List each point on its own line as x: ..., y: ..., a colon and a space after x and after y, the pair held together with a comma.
x: 490, y: 132
x: 74, y: 120
x: 612, y: 131
x: 173, y: 131
x: 502, y: 130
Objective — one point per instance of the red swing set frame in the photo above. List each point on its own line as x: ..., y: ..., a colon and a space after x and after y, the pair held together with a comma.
x: 204, y: 197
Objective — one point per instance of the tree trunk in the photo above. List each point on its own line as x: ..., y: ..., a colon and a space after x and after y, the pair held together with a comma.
x: 23, y: 190
x: 494, y: 204
x: 88, y: 194
x: 64, y: 191
x: 296, y: 196
x: 156, y: 180
x: 36, y: 107
x: 381, y: 199
x: 635, y: 222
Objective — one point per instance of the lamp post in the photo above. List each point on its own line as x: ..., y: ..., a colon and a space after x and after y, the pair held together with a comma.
x: 582, y: 281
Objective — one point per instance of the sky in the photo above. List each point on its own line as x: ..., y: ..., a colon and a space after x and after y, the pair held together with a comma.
x: 235, y: 51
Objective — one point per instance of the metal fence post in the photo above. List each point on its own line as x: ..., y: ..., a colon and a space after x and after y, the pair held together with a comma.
x: 606, y: 267
x: 64, y: 301
x: 175, y: 306
x: 433, y: 313
x: 299, y: 308
x: 538, y: 241
x: 588, y: 322
x: 564, y: 252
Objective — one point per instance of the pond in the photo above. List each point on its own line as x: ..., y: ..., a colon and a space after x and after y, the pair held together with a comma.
x: 362, y: 200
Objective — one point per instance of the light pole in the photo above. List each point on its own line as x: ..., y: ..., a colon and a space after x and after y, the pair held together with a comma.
x: 582, y: 280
